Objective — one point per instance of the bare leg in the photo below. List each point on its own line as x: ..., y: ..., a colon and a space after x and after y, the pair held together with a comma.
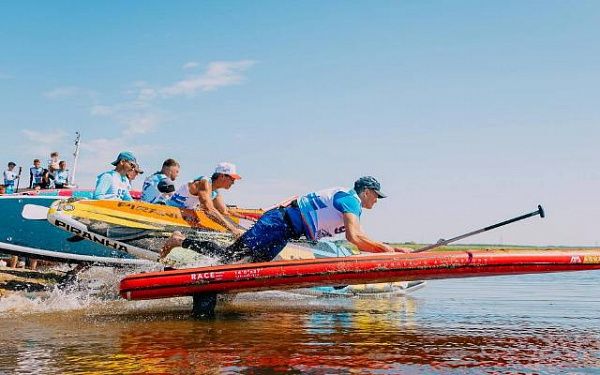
x: 33, y: 264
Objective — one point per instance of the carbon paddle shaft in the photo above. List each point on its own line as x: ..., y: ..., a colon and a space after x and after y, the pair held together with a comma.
x: 540, y: 211
x: 19, y: 179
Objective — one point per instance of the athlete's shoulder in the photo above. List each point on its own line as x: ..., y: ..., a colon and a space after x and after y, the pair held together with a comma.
x: 203, y: 183
x: 345, y: 193
x: 106, y: 174
x: 347, y: 201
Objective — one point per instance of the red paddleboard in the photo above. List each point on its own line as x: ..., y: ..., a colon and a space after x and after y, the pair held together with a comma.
x: 354, y: 270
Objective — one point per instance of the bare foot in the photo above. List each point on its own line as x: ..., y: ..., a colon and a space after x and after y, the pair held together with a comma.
x: 175, y: 240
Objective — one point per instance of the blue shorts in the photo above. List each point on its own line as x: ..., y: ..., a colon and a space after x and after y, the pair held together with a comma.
x: 261, y: 243
x: 266, y: 238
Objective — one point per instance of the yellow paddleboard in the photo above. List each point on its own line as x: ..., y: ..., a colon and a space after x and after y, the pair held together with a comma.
x: 137, y: 214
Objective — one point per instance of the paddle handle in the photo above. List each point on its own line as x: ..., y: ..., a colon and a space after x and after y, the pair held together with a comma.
x: 539, y: 211
x: 19, y: 179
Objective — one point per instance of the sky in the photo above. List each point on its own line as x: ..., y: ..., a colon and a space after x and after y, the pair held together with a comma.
x: 468, y: 112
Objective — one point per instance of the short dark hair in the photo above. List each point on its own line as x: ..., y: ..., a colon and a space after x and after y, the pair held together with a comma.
x: 215, y: 176
x: 55, y: 153
x: 170, y: 163
x: 36, y: 160
x: 12, y: 163
x: 62, y: 162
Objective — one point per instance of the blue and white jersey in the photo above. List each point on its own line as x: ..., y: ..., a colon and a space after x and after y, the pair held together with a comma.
x: 36, y: 175
x: 184, y: 199
x: 154, y: 187
x: 61, y: 177
x: 10, y: 177
x: 9, y: 180
x: 322, y: 211
x: 111, y: 185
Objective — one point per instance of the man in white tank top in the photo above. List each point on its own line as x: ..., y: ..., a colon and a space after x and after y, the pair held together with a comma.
x: 202, y: 193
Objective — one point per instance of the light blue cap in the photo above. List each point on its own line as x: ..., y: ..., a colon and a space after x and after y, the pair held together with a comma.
x: 125, y: 155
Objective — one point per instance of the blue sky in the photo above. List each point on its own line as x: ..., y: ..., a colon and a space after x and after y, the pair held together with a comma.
x: 468, y: 112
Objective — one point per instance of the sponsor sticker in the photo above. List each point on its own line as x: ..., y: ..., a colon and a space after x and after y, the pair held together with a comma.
x: 575, y: 259
x: 65, y: 206
x: 91, y: 236
x: 591, y: 259
x: 206, y: 276
x: 246, y: 274
x: 149, y: 210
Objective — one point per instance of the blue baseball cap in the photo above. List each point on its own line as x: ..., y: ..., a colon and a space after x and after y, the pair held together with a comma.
x: 369, y: 182
x: 125, y: 155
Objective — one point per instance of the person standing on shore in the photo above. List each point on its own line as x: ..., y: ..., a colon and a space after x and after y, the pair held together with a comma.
x: 36, y: 173
x: 53, y: 162
x: 61, y: 176
x: 10, y: 176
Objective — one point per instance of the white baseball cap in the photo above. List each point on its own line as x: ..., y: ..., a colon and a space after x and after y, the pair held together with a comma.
x: 228, y: 169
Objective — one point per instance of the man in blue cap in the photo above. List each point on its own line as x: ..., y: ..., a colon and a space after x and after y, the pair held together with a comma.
x: 115, y: 184
x: 316, y: 215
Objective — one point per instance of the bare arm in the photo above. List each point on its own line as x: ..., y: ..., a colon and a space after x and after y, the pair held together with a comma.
x: 355, y: 235
x: 220, y: 205
x: 206, y: 203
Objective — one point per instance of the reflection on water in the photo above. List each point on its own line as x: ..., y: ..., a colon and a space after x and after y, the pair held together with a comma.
x: 530, y: 324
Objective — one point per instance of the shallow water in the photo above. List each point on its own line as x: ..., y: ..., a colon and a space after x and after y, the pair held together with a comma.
x: 519, y: 324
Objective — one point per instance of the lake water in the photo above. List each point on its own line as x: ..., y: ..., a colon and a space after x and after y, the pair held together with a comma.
x: 520, y: 324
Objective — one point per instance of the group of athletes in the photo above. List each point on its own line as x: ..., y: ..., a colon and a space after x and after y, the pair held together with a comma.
x: 319, y: 214
x: 54, y: 176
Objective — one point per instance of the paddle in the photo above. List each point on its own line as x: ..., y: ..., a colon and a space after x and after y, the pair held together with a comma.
x: 18, y: 179
x: 34, y: 212
x: 540, y: 211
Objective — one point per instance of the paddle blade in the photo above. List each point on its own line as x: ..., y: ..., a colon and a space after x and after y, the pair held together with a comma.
x: 34, y: 212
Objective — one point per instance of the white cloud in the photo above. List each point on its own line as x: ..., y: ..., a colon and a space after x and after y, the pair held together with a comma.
x: 134, y: 116
x: 42, y: 144
x: 67, y: 92
x: 190, y: 65
x: 146, y: 94
x: 138, y: 115
x: 218, y: 74
x: 97, y: 154
x: 101, y: 110
x: 47, y: 138
x: 142, y: 92
x: 141, y: 123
